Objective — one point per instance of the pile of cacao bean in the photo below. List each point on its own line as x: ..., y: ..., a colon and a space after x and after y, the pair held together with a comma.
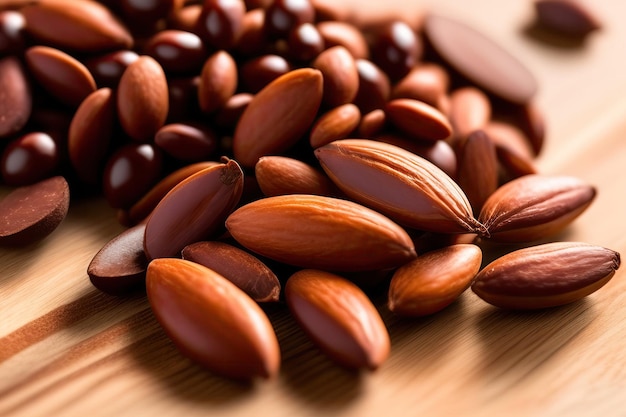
x: 242, y: 139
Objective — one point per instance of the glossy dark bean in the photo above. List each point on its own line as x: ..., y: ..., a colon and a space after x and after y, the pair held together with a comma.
x: 426, y: 82
x: 396, y: 49
x: 32, y: 212
x: 30, y: 158
x: 177, y: 51
x: 187, y: 142
x: 305, y: 42
x: 119, y: 268
x: 183, y: 98
x: 284, y: 15
x: 12, y: 32
x: 220, y: 22
x: 341, y: 76
x: 107, y: 69
x: 374, y: 87
x: 130, y: 172
x: 259, y: 72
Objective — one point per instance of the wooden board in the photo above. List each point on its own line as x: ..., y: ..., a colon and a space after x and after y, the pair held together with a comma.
x: 68, y: 350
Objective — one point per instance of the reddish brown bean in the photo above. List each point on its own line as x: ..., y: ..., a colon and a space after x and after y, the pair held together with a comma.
x: 193, y: 210
x: 185, y: 18
x: 341, y: 76
x: 280, y: 175
x: 470, y: 110
x: 372, y: 124
x: 177, y: 51
x: 478, y: 169
x: 90, y: 134
x: 142, y: 99
x: 187, y: 142
x: 426, y: 82
x: 15, y: 101
x: 63, y: 76
x: 85, y: 26
x: 259, y: 72
x: 335, y: 124
x: 418, y: 119
x: 218, y: 81
x: 253, y: 39
x: 374, y: 87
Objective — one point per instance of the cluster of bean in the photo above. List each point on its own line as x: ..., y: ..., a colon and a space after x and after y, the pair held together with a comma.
x: 80, y: 122
x: 132, y: 99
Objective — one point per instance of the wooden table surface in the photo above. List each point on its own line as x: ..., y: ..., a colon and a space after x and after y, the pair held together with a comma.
x: 68, y: 350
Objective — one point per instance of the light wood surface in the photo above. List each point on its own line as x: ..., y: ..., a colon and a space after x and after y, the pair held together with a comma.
x: 68, y: 350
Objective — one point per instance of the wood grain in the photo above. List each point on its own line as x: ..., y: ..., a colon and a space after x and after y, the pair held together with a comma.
x: 67, y: 349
